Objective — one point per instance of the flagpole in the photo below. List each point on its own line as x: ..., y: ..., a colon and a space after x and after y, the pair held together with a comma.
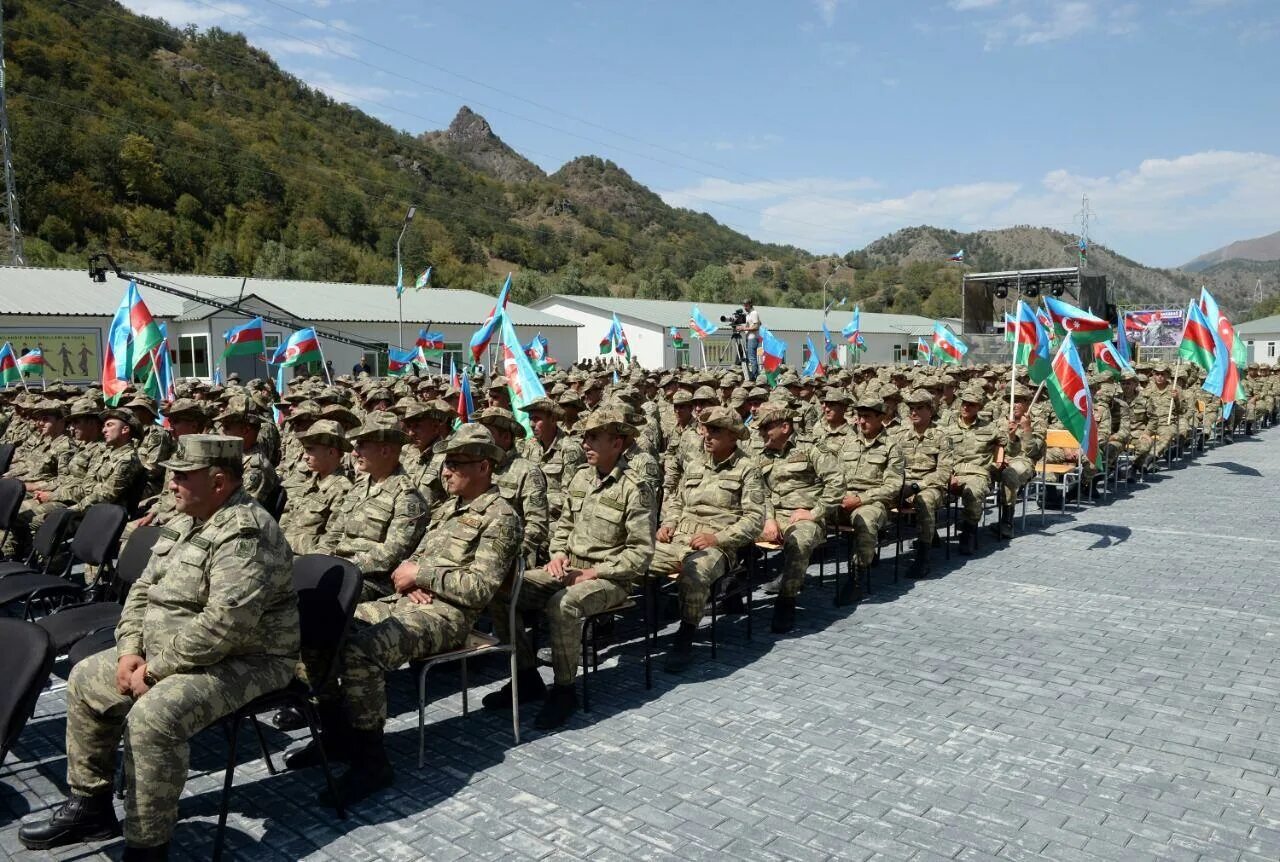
x: 1173, y: 387
x: 1013, y: 371
x: 323, y: 364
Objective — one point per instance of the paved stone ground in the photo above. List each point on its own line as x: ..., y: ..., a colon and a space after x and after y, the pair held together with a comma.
x: 1104, y: 688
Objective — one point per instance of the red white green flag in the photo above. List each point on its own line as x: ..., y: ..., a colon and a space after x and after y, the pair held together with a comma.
x: 1068, y: 390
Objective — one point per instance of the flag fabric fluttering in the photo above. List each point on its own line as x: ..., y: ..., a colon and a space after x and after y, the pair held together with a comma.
x: 399, y: 362
x: 828, y: 345
x: 1122, y: 338
x: 132, y: 336
x: 465, y: 405
x: 1010, y: 325
x: 1031, y: 344
x: 522, y: 380
x: 948, y: 347
x: 958, y: 257
x: 430, y: 343
x: 32, y: 363
x: 399, y: 281
x: 538, y: 351
x: 1068, y: 391
x: 1084, y: 328
x: 813, y: 366
x: 163, y: 371
x: 217, y: 376
x: 775, y: 353
x: 620, y: 343
x: 480, y: 340
x: 1197, y: 345
x: 1107, y: 358
x: 1223, y: 378
x: 1083, y: 247
x: 852, y: 331
x: 453, y: 373
x: 301, y: 347
x: 9, y: 373
x: 677, y: 340
x: 423, y: 280
x: 701, y: 327
x: 924, y: 353
x: 245, y: 340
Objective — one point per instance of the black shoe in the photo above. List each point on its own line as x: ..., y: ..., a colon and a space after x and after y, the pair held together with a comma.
x: 288, y: 718
x: 680, y: 655
x: 79, y: 819
x: 370, y: 770
x: 159, y: 853
x: 532, y: 688
x: 561, y: 702
x: 919, y: 562
x: 968, y: 539
x: 936, y: 542
x: 848, y: 590
x: 784, y: 615
x: 335, y: 733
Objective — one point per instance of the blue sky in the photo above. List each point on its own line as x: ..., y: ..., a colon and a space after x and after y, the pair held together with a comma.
x: 828, y: 123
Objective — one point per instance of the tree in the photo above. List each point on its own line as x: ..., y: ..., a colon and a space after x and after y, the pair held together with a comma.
x: 142, y: 174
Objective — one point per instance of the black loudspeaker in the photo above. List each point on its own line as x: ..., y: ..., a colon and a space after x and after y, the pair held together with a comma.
x: 979, y: 308
x: 1093, y: 295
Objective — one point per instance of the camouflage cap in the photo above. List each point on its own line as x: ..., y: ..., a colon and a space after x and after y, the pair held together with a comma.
x: 571, y: 400
x: 919, y: 396
x: 1160, y: 368
x: 870, y: 400
x: 473, y: 439
x: 380, y: 426
x: 1021, y: 392
x: 433, y: 409
x: 125, y: 416
x: 836, y: 396
x: 545, y: 405
x: 705, y: 395
x: 240, y: 408
x: 341, y: 415
x: 48, y: 406
x: 499, y: 417
x: 186, y: 408
x: 498, y: 382
x: 773, y: 411
x: 682, y: 397
x: 724, y: 417
x: 85, y: 408
x: 612, y: 418
x: 974, y: 394
x: 789, y: 378
x: 326, y: 432
x: 199, y: 451
x: 143, y: 402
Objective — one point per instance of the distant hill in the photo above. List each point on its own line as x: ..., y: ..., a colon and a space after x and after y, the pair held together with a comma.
x: 470, y: 139
x: 1263, y: 248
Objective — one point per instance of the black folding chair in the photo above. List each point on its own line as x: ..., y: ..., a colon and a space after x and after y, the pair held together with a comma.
x: 12, y: 492
x: 26, y: 658
x: 6, y: 456
x: 328, y: 592
x: 48, y: 540
x: 276, y: 501
x: 69, y: 625
x: 96, y: 543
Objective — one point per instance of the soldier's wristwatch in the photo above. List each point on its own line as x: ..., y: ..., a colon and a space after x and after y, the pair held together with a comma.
x: 149, y: 679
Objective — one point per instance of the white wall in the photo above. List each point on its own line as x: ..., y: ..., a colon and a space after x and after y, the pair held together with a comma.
x: 648, y: 342
x: 1264, y: 348
x: 27, y: 331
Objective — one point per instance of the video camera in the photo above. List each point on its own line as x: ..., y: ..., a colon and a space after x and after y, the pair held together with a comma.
x: 736, y: 319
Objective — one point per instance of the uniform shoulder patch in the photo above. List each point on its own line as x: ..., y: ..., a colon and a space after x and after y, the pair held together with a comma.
x: 244, y: 548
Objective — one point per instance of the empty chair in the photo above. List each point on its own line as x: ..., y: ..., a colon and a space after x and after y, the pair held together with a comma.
x: 6, y: 456
x: 44, y: 547
x: 11, y: 493
x: 96, y: 543
x: 26, y: 658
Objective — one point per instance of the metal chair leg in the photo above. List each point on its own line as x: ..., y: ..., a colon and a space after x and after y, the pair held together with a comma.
x: 313, y: 723
x: 587, y: 625
x: 515, y: 696
x: 225, y: 806
x: 262, y: 744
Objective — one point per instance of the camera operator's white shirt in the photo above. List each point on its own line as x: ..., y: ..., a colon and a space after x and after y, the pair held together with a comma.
x: 752, y: 324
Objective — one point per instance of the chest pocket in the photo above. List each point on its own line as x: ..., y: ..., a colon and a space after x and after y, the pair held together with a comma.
x: 462, y: 538
x: 607, y: 521
x: 184, y: 570
x: 370, y: 520
x: 727, y: 491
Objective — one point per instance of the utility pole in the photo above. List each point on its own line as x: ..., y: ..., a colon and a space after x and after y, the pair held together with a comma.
x: 1084, y: 243
x: 9, y: 202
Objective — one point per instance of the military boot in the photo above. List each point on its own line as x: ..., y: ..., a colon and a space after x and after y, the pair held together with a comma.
x: 532, y: 688
x: 680, y: 655
x: 848, y: 590
x: 784, y: 615
x: 370, y: 770
x: 1005, y: 528
x: 335, y: 735
x: 919, y: 560
x: 968, y: 539
x: 79, y: 819
x: 159, y: 853
x: 561, y: 703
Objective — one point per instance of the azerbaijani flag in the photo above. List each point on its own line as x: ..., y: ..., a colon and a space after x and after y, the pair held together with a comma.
x: 430, y: 343
x: 453, y: 373
x: 1068, y: 390
x: 958, y: 257
x: 522, y: 380
x: 1196, y: 345
x: 483, y: 335
x: 923, y: 352
x: 774, y: 349
x: 1031, y: 344
x: 301, y: 348
x: 813, y: 365
x: 852, y: 331
x: 160, y: 383
x: 423, y: 280
x: 702, y: 328
x: 1084, y: 250
x: 1084, y: 327
x: 1009, y: 325
x: 9, y: 373
x: 465, y: 405
x: 620, y: 343
x: 677, y: 340
x: 399, y: 281
x: 244, y: 340
x: 1122, y: 338
x: 400, y: 361
x: 130, y: 339
x: 827, y: 343
x: 1107, y: 358
x: 947, y: 346
x: 1223, y: 379
x: 32, y: 363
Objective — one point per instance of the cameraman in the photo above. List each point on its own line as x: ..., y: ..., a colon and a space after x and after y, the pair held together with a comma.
x: 750, y: 327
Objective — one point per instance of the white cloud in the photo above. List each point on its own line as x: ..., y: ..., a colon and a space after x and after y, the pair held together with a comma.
x: 970, y: 5
x: 182, y: 12
x: 1163, y: 211
x: 827, y: 10
x: 1040, y: 22
x: 320, y: 46
x: 351, y: 92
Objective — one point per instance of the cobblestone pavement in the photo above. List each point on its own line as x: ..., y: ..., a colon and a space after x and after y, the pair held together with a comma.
x: 1103, y: 688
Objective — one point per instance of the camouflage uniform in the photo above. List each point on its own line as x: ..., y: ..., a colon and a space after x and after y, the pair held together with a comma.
x: 1023, y: 449
x: 558, y: 463
x: 974, y: 449
x: 1162, y: 424
x: 216, y: 618
x: 726, y: 499
x: 872, y: 470
x: 310, y: 509
x: 797, y: 476
x: 928, y: 460
x: 377, y: 525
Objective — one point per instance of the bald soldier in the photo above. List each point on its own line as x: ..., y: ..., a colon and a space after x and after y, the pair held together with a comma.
x: 211, y: 624
x: 601, y: 544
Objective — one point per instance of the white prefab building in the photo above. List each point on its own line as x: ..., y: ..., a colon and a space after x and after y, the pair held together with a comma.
x: 1262, y: 338
x: 647, y: 323
x: 68, y: 315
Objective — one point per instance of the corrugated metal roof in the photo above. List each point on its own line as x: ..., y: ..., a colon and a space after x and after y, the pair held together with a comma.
x: 35, y: 290
x: 1261, y: 325
x: 667, y: 313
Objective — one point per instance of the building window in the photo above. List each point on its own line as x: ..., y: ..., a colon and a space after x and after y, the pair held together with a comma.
x: 271, y: 342
x: 898, y: 352
x: 193, y: 356
x: 452, y: 352
x: 721, y: 352
x: 1271, y: 350
x: 682, y: 356
x: 377, y: 361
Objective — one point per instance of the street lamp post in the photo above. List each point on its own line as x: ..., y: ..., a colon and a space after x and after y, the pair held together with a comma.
x: 825, y: 282
x: 408, y: 217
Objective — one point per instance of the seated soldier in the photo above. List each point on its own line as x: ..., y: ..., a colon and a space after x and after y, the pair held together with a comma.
x: 803, y: 488
x: 242, y: 419
x: 437, y: 595
x: 552, y: 451
x: 926, y: 452
x: 313, y: 504
x: 1022, y: 445
x: 872, y: 468
x: 518, y: 479
x: 601, y: 544
x: 211, y: 624
x: 427, y: 424
x: 718, y: 509
x: 974, y: 442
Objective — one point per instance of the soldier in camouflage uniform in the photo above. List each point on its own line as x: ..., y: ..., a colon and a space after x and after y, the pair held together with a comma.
x: 521, y: 483
x: 155, y: 444
x: 872, y: 466
x: 51, y: 451
x: 552, y: 451
x: 974, y: 443
x: 1164, y: 413
x: 601, y: 544
x: 211, y: 624
x: 314, y: 504
x: 427, y: 424
x: 382, y: 518
x: 242, y: 419
x: 1022, y: 442
x: 185, y: 417
x: 829, y: 432
x: 803, y: 489
x: 437, y: 595
x: 926, y: 452
x: 1135, y: 399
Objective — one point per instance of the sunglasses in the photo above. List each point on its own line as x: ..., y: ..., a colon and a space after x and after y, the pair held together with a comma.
x: 455, y: 464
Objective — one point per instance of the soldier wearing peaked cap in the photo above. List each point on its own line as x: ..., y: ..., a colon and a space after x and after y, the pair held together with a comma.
x: 428, y: 424
x: 438, y: 592
x: 314, y: 503
x: 154, y: 443
x: 830, y: 430
x: 211, y: 624
x: 872, y: 467
x: 1022, y: 444
x: 241, y: 419
x: 975, y: 442
x: 552, y: 451
x: 926, y: 452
